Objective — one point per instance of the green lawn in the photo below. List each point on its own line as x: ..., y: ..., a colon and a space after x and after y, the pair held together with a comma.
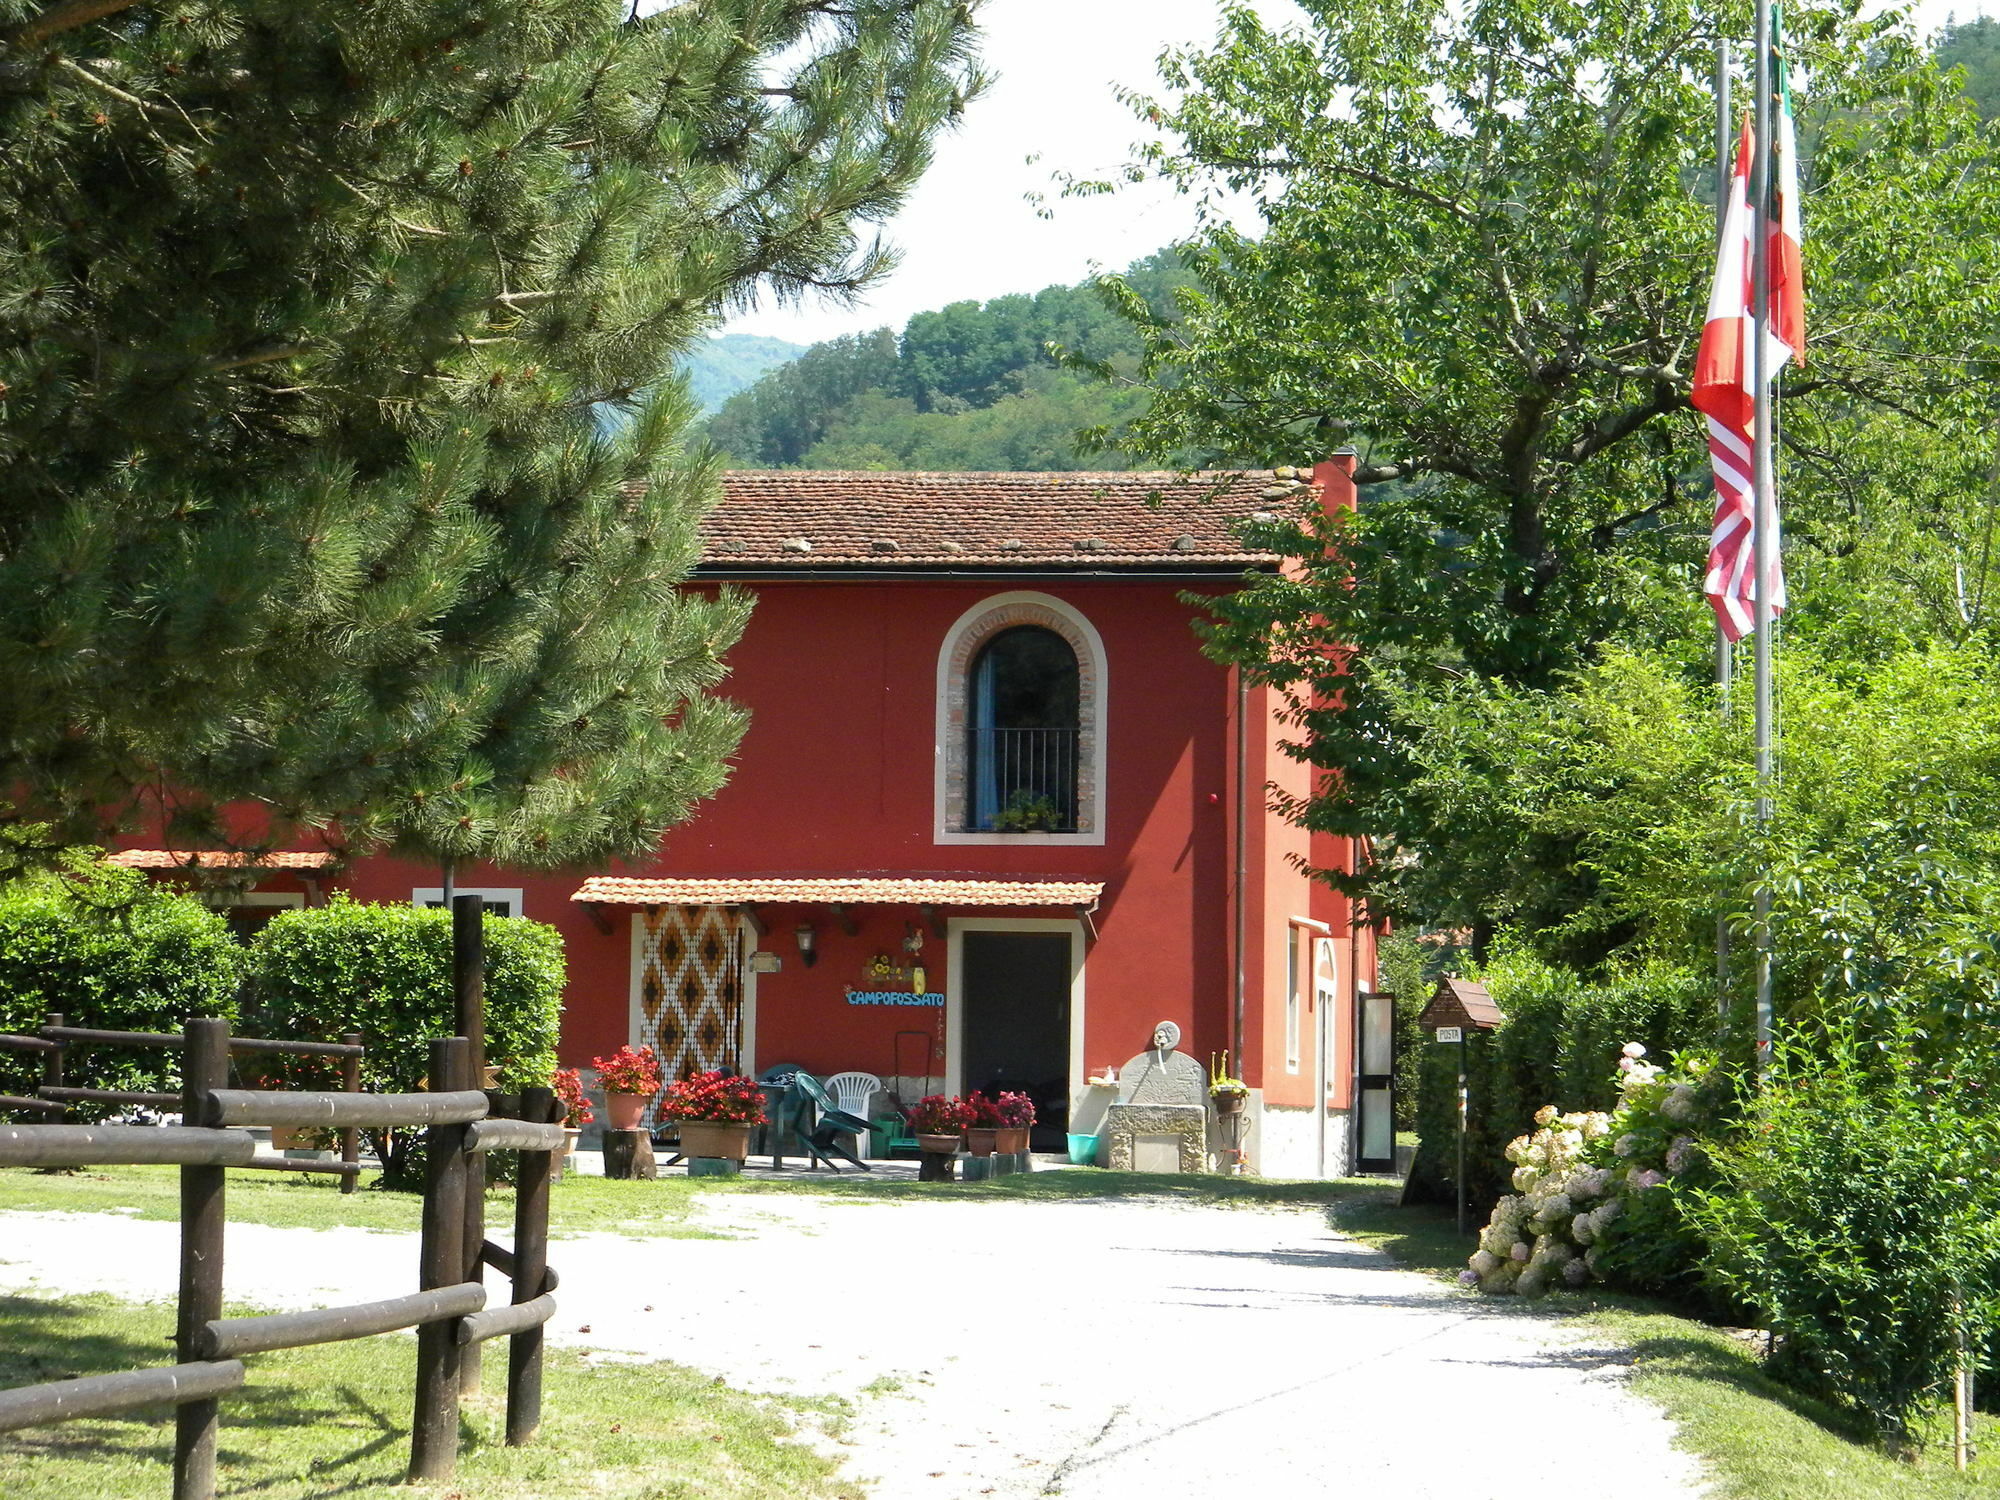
x: 335, y: 1420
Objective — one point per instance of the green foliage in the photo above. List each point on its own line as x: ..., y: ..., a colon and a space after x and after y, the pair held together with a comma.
x: 385, y: 971
x: 108, y: 948
x: 308, y: 317
x: 1487, y: 241
x: 1555, y: 1047
x: 968, y: 387
x: 1974, y: 45
x: 1405, y: 970
x: 1862, y: 1221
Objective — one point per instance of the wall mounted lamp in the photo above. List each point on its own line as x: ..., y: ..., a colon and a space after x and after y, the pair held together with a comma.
x: 808, y: 951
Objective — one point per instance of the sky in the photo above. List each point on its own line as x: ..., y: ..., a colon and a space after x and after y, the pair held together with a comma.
x: 970, y: 230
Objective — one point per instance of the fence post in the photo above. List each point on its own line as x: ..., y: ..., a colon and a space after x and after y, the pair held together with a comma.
x: 468, y: 995
x: 531, y: 1260
x: 205, y: 1066
x: 52, y: 1062
x: 350, y: 1138
x: 434, y: 1431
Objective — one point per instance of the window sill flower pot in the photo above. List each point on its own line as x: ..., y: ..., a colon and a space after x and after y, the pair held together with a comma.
x: 624, y: 1111
x: 718, y: 1138
x: 982, y: 1142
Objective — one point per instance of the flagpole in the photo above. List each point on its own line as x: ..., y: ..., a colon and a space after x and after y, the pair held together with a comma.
x: 1765, y: 522
x: 1725, y: 655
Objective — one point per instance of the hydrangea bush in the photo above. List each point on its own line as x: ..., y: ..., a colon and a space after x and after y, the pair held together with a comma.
x: 1595, y: 1191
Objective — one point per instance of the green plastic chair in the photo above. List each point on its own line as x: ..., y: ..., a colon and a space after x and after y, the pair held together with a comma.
x: 820, y: 1138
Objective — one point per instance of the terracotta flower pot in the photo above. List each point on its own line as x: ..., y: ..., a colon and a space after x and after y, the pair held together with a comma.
x: 938, y: 1145
x: 982, y: 1142
x: 715, y: 1138
x: 1011, y: 1139
x: 625, y: 1110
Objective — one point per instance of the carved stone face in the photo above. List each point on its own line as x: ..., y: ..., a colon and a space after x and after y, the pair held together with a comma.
x: 1166, y: 1036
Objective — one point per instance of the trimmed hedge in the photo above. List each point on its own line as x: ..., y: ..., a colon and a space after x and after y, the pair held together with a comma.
x: 385, y: 971
x: 108, y: 948
x: 1558, y: 1045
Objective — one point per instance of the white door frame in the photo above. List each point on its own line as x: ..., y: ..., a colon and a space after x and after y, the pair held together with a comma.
x: 954, y: 988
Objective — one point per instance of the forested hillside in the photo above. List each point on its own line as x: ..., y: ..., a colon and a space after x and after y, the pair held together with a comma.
x: 718, y: 368
x: 1975, y: 46
x: 970, y: 386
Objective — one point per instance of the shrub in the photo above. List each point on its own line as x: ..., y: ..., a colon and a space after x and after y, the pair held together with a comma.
x: 1862, y: 1220
x: 1604, y: 1195
x: 385, y: 971
x: 1551, y: 1049
x: 108, y: 948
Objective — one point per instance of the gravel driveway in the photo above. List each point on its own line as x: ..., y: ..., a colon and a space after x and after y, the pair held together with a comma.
x: 1101, y: 1350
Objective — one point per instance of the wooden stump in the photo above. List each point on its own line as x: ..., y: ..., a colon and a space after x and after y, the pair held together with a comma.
x: 629, y: 1154
x: 935, y: 1166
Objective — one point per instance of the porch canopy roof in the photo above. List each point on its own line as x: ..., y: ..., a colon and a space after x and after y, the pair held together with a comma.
x: 221, y: 859
x: 862, y: 890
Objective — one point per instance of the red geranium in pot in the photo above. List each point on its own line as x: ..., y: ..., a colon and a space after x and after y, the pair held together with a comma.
x: 936, y: 1120
x: 982, y: 1125
x: 1016, y: 1113
x: 631, y: 1076
x: 716, y: 1111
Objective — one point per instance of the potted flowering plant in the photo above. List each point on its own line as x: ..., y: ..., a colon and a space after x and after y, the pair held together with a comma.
x: 1227, y: 1094
x: 716, y: 1111
x: 577, y: 1113
x: 631, y: 1076
x: 1016, y: 1113
x: 982, y: 1124
x: 936, y: 1120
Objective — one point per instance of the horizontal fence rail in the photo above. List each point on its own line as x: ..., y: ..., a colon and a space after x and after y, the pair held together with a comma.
x: 501, y: 1259
x: 265, y: 1163
x: 103, y: 1395
x: 369, y: 1111
x: 514, y: 1135
x: 123, y: 1146
x: 498, y: 1322
x: 9, y: 1103
x: 65, y: 1095
x: 221, y: 1337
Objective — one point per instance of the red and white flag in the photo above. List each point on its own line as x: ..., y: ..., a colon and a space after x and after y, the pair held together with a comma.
x: 1724, y: 389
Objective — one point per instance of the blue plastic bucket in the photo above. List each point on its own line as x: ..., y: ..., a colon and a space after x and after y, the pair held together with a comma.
x: 1083, y: 1150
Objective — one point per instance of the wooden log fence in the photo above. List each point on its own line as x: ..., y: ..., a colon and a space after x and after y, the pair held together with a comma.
x: 448, y: 1311
x: 53, y: 1096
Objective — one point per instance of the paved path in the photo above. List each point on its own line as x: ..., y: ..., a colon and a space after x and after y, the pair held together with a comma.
x: 1098, y: 1350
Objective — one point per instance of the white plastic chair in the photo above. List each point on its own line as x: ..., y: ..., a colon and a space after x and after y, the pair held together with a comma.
x: 854, y: 1092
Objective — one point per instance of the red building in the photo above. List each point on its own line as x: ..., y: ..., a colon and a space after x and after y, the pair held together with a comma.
x: 995, y: 817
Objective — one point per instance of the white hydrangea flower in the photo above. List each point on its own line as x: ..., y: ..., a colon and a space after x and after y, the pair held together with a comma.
x: 1634, y: 1049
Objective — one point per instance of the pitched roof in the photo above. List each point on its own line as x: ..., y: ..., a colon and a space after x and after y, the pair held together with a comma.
x: 220, y: 859
x: 1461, y: 1002
x: 613, y: 890
x: 810, y: 519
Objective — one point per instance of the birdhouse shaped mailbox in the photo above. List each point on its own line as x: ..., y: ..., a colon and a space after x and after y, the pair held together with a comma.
x: 1460, y: 1004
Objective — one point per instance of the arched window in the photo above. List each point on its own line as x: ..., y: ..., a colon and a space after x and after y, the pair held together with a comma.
x: 1022, y: 725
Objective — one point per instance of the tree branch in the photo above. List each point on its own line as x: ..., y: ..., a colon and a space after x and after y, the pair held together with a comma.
x: 65, y: 16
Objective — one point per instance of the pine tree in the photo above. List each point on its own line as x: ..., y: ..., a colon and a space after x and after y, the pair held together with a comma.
x: 312, y: 313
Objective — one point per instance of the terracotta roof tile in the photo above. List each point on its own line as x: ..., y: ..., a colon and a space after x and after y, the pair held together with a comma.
x: 226, y: 859
x: 791, y: 518
x: 613, y: 890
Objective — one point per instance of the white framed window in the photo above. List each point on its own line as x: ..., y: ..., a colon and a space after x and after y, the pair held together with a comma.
x: 1020, y: 741
x: 501, y: 901
x: 1293, y: 1005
